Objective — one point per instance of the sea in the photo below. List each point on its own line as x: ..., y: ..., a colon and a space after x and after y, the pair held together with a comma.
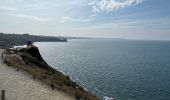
x: 114, y: 69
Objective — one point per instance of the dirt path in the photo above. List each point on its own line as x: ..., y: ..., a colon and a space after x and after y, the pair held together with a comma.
x: 20, y: 85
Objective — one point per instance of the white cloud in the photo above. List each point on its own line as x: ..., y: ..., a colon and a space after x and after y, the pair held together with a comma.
x: 109, y: 5
x: 66, y: 18
x: 30, y: 17
x: 8, y: 8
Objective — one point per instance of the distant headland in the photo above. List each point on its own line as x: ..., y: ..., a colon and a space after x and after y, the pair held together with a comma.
x: 9, y: 40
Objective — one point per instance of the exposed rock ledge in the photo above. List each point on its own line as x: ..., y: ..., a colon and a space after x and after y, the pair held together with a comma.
x: 30, y: 60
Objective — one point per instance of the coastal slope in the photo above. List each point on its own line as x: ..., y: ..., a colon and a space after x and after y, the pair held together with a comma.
x: 20, y: 85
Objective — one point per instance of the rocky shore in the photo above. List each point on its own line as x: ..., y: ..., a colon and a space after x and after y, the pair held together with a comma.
x: 30, y: 61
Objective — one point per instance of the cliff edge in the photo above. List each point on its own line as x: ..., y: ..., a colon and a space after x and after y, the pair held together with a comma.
x: 29, y: 59
x: 20, y: 85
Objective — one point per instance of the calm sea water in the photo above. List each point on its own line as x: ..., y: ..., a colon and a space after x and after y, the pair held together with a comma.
x: 122, y: 69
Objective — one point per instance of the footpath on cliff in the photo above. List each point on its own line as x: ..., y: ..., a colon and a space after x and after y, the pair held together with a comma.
x: 20, y: 85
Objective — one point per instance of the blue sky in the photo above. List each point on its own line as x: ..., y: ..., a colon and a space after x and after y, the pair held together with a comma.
x: 131, y: 19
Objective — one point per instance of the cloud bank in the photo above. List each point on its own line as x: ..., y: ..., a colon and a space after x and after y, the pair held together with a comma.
x: 8, y: 8
x: 109, y: 5
x: 82, y: 19
x: 30, y: 17
x: 65, y: 19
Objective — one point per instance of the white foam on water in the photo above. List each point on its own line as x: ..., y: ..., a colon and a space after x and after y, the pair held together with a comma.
x: 107, y: 98
x: 20, y: 46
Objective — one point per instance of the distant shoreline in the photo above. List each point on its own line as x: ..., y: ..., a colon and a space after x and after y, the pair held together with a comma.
x: 10, y: 40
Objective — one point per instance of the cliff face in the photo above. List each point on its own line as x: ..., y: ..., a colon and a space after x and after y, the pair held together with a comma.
x: 30, y: 60
x: 32, y: 55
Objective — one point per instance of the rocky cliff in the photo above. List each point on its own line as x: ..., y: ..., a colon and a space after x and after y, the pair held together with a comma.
x: 30, y: 60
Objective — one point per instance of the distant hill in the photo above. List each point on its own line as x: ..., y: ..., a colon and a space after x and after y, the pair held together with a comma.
x: 9, y: 40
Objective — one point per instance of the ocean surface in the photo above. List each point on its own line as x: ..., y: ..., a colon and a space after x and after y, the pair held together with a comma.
x: 119, y: 69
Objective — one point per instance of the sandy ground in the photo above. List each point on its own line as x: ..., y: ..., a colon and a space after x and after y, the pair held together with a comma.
x: 20, y: 85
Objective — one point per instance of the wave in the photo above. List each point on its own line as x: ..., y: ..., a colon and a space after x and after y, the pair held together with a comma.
x: 107, y: 98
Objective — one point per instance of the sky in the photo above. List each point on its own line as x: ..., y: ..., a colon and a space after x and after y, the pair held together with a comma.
x: 130, y: 19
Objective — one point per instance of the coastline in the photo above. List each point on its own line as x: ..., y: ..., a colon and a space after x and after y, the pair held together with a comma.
x: 66, y: 88
x: 20, y: 85
x: 9, y: 40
